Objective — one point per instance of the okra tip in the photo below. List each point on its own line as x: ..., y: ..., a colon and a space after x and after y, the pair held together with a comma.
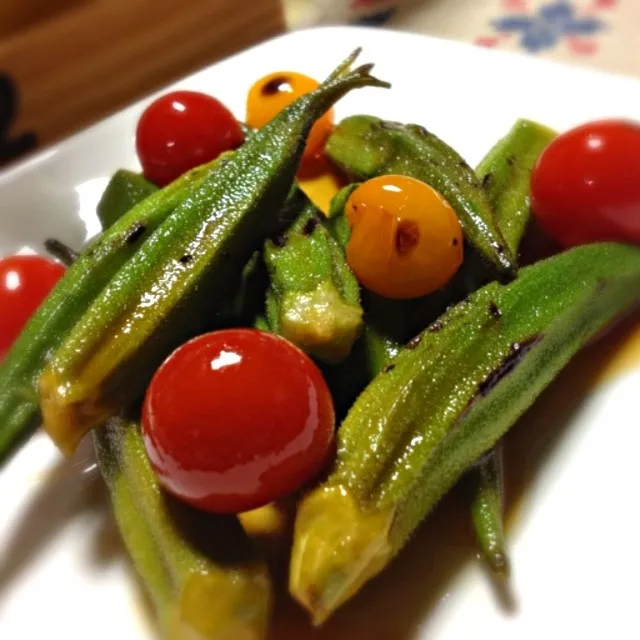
x: 345, y: 65
x: 218, y: 607
x: 327, y: 567
x: 344, y: 70
x: 499, y: 564
x: 62, y: 419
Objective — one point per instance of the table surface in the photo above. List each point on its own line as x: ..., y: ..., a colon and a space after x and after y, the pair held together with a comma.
x: 595, y: 33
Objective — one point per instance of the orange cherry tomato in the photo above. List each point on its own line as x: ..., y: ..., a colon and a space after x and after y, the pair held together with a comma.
x: 271, y: 94
x: 406, y: 240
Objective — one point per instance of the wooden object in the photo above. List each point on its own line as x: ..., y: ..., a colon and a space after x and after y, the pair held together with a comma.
x: 99, y: 55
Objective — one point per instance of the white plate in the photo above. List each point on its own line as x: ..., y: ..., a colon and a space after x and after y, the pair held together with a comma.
x: 571, y: 462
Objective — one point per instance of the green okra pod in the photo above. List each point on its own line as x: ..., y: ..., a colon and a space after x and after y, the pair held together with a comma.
x: 168, y: 291
x: 124, y: 190
x: 20, y: 370
x: 505, y: 173
x: 376, y: 350
x: 506, y: 176
x: 366, y: 146
x: 313, y: 298
x: 486, y: 481
x: 200, y: 570
x: 441, y: 404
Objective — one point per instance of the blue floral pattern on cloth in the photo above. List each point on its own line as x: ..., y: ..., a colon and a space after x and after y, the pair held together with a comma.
x: 549, y: 25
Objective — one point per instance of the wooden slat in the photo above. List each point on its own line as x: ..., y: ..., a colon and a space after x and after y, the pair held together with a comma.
x: 96, y: 58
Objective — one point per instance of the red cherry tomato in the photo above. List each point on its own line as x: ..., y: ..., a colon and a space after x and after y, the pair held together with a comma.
x: 25, y: 281
x: 235, y: 419
x: 586, y: 187
x: 182, y: 130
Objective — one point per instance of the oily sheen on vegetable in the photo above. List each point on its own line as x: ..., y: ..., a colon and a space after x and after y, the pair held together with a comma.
x: 83, y: 281
x: 442, y: 404
x: 185, y: 335
x: 157, y: 301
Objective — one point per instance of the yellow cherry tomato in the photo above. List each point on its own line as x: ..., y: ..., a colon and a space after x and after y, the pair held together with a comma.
x: 406, y: 240
x: 271, y: 94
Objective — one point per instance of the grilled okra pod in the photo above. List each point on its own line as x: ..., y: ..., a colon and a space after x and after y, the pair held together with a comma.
x: 21, y: 368
x: 200, y: 570
x: 313, y: 298
x: 444, y: 402
x: 505, y: 173
x: 366, y: 146
x: 374, y: 351
x: 168, y: 291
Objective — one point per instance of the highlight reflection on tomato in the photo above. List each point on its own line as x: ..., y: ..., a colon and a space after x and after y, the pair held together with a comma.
x: 235, y: 419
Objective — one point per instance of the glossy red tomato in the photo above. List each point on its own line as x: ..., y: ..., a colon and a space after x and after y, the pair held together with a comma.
x: 235, y: 419
x: 182, y: 130
x: 25, y: 281
x: 586, y: 185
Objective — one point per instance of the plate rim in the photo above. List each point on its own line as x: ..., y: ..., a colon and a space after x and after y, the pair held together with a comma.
x: 41, y: 156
